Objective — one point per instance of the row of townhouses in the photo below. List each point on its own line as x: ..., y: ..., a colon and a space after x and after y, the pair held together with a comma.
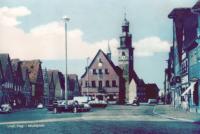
x: 182, y: 76
x: 27, y: 83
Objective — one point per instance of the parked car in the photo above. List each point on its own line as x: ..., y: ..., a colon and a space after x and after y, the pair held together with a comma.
x: 40, y: 106
x: 5, y: 108
x: 73, y: 105
x: 135, y: 101
x: 153, y: 101
x: 82, y: 99
x: 102, y: 104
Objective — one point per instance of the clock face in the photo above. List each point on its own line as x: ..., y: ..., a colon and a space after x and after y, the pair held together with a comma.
x: 100, y: 64
x: 123, y: 57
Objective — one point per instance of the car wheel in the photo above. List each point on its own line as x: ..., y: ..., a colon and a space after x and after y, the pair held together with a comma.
x: 75, y: 110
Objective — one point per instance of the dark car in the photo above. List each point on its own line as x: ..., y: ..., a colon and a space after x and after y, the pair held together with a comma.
x: 5, y: 108
x: 73, y: 105
x: 102, y: 104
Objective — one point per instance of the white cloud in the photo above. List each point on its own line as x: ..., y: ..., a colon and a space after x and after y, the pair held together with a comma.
x: 48, y: 41
x: 8, y: 15
x: 148, y: 46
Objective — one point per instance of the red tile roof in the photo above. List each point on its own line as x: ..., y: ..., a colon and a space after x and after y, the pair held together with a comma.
x: 33, y: 68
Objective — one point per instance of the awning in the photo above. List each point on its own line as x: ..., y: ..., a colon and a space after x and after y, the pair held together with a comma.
x: 189, y: 88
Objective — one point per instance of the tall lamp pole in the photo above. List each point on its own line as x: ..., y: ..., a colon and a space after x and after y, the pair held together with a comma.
x: 66, y: 19
x: 87, y: 80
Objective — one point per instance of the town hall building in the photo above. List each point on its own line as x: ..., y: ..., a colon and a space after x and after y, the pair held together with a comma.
x: 111, y: 83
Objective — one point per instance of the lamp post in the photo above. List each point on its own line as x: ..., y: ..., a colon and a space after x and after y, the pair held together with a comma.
x: 66, y: 19
x: 87, y: 80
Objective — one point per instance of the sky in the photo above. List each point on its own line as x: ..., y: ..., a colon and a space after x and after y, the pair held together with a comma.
x: 33, y: 29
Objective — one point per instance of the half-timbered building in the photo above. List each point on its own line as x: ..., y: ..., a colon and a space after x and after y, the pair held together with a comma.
x: 7, y: 87
x: 36, y: 78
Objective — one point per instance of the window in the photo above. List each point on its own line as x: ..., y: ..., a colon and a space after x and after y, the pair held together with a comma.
x: 193, y: 57
x: 107, y: 83
x: 138, y: 93
x: 15, y: 88
x: 100, y: 84
x: 144, y: 93
x: 123, y: 53
x: 93, y: 84
x: 94, y: 71
x: 86, y: 84
x: 100, y: 71
x: 106, y: 71
x: 114, y: 83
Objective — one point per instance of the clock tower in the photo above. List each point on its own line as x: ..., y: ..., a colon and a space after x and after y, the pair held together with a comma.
x: 125, y: 54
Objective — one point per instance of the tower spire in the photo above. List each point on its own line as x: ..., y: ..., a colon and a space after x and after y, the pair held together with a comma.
x: 108, y: 52
x: 124, y: 16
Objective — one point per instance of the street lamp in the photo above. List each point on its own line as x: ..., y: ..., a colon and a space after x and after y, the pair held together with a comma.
x: 87, y: 80
x: 66, y: 19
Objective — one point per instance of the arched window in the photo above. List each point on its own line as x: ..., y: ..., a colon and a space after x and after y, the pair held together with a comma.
x: 123, y: 53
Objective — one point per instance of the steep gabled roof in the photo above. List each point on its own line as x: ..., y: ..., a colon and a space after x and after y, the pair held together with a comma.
x: 14, y: 64
x: 55, y: 75
x: 152, y: 86
x: 62, y: 80
x: 73, y: 78
x: 4, y: 59
x: 178, y: 12
x: 196, y: 6
x: 49, y: 73
x: 135, y: 77
x: 115, y: 68
x: 1, y: 71
x: 33, y: 68
x: 24, y: 72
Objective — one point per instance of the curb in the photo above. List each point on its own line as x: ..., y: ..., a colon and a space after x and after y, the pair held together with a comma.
x: 178, y: 119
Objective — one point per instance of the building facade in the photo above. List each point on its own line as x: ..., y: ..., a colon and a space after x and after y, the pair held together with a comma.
x: 1, y: 83
x: 8, y: 86
x: 46, y: 87
x: 103, y: 79
x: 36, y: 78
x: 26, y: 86
x: 185, y: 82
x: 18, y: 82
x: 51, y: 87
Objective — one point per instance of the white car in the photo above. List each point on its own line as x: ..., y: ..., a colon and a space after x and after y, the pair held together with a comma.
x: 40, y: 106
x: 153, y: 101
x: 5, y: 108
